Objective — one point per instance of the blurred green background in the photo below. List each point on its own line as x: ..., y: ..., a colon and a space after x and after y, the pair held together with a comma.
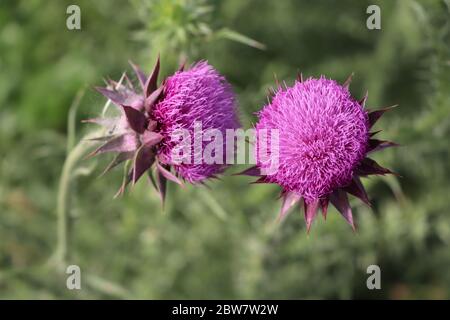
x: 223, y: 242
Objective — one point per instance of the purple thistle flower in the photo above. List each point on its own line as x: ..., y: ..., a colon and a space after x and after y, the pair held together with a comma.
x: 143, y: 131
x: 324, y: 139
x: 200, y: 93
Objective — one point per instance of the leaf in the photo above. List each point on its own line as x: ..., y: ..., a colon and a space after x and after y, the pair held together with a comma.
x: 232, y: 35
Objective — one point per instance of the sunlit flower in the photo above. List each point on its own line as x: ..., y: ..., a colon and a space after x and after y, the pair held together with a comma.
x: 143, y: 131
x: 324, y: 140
x: 199, y: 94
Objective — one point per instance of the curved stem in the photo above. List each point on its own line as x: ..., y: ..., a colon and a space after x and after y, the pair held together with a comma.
x: 71, y: 123
x: 62, y: 208
x: 63, y: 227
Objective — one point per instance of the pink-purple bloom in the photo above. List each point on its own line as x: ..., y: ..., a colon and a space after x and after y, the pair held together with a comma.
x: 148, y: 117
x: 199, y: 94
x: 323, y: 142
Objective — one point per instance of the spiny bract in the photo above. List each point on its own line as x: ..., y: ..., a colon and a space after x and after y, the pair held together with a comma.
x: 142, y: 132
x: 324, y: 139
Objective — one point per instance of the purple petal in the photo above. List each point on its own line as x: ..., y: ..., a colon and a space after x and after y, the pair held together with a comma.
x: 377, y: 145
x: 276, y: 80
x: 162, y: 186
x: 104, y: 122
x: 114, y: 96
x: 128, y: 82
x: 182, y: 66
x: 263, y: 179
x: 114, y: 85
x: 152, y: 180
x: 152, y: 124
x: 134, y: 101
x: 150, y: 138
x: 104, y: 138
x: 310, y: 212
x: 340, y: 200
x: 362, y: 102
x: 348, y: 81
x: 151, y: 83
x: 153, y: 98
x: 270, y: 92
x: 324, y: 206
x: 289, y: 199
x: 357, y: 189
x: 143, y: 160
x: 139, y: 74
x: 121, y: 157
x: 371, y: 134
x: 136, y: 119
x: 253, y: 172
x: 168, y: 175
x: 376, y: 114
x: 126, y: 180
x: 370, y: 167
x: 122, y: 143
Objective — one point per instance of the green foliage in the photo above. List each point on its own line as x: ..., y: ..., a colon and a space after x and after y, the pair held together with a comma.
x: 181, y: 27
x: 222, y: 242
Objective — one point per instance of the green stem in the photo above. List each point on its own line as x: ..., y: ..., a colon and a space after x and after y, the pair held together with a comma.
x: 71, y: 123
x: 74, y: 155
x: 63, y: 201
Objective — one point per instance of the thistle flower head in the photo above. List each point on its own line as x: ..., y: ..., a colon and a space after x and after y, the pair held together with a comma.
x: 323, y: 136
x: 323, y: 142
x: 199, y: 94
x: 148, y: 118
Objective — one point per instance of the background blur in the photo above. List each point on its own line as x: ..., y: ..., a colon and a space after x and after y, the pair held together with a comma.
x: 223, y: 242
